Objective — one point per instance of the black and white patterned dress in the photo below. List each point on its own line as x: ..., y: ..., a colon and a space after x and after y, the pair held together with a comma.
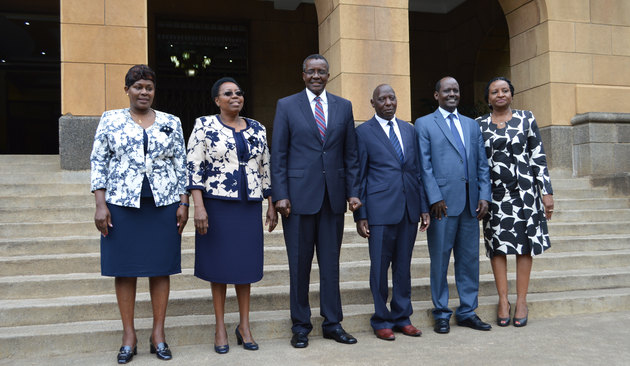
x: 516, y: 221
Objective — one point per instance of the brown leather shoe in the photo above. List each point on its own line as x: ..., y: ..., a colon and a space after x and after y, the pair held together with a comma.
x: 409, y: 330
x: 385, y: 334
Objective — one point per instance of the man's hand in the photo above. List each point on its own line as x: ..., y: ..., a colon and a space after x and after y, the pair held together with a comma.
x: 425, y: 221
x: 438, y: 209
x: 354, y: 203
x: 363, y: 229
x: 283, y: 207
x: 482, y: 209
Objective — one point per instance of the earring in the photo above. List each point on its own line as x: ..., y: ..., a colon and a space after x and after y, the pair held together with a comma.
x: 127, y: 94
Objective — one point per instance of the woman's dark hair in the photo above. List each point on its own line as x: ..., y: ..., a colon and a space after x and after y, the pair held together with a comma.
x: 139, y: 72
x: 214, y: 92
x: 486, y: 92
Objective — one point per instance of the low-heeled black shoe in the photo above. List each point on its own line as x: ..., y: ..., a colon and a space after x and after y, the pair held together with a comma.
x: 299, y: 340
x: 475, y: 323
x: 161, y: 350
x: 250, y: 346
x: 504, y: 322
x: 222, y: 349
x: 340, y: 335
x: 125, y: 354
x: 521, y: 322
x: 441, y: 326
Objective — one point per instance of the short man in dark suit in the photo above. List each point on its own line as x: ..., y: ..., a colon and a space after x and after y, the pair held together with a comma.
x: 393, y: 203
x: 314, y: 168
x: 457, y: 182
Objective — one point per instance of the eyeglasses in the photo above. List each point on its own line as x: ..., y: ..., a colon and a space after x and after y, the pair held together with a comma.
x: 229, y: 93
x: 311, y: 72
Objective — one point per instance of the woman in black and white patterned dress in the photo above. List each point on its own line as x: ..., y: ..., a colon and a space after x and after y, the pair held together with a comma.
x: 522, y: 197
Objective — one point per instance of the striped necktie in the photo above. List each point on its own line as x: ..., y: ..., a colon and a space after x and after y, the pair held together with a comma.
x: 320, y: 118
x: 395, y: 143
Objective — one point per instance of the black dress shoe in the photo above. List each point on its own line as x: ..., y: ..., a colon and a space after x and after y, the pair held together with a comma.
x: 161, y: 350
x: 475, y: 323
x: 125, y: 354
x: 299, y: 340
x: 441, y: 326
x: 340, y: 336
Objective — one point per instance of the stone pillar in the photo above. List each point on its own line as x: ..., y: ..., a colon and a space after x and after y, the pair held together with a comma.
x: 366, y: 43
x: 568, y: 57
x: 100, y: 41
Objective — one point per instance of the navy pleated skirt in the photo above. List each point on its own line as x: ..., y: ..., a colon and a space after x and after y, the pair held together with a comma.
x: 144, y: 241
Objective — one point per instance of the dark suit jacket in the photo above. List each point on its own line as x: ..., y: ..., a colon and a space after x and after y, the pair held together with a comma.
x: 387, y: 187
x: 442, y: 165
x: 302, y: 167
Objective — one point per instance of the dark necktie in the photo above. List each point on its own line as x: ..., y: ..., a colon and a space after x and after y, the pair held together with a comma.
x: 395, y: 143
x: 458, y: 142
x: 320, y: 117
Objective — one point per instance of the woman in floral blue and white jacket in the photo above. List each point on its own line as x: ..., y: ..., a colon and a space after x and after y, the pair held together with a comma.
x: 138, y: 179
x: 228, y: 177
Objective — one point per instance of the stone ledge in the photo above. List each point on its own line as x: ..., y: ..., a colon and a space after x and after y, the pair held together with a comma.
x: 600, y: 117
x: 76, y: 137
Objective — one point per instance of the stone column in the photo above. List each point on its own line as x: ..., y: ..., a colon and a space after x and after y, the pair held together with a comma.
x: 568, y: 57
x: 100, y: 41
x: 366, y: 43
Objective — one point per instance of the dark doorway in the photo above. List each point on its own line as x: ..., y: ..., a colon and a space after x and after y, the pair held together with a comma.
x: 30, y: 80
x: 190, y: 57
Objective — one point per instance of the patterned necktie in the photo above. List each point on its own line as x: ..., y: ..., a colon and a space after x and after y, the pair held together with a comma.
x: 395, y: 143
x: 458, y: 142
x: 320, y: 118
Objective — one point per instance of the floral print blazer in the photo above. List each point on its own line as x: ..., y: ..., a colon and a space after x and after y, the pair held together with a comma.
x: 119, y: 164
x: 213, y: 161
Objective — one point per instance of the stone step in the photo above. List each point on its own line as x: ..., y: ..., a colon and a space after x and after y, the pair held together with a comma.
x: 597, y: 192
x: 49, y: 201
x: 591, y: 215
x: 64, y: 228
x: 92, y: 283
x: 571, y: 183
x: 19, y: 176
x: 199, y: 301
x: 42, y: 189
x: 93, y: 336
x: 591, y: 203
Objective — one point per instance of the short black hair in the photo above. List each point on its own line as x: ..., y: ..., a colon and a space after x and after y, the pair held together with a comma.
x: 438, y: 85
x: 139, y: 72
x: 214, y: 92
x: 315, y: 56
x: 486, y: 92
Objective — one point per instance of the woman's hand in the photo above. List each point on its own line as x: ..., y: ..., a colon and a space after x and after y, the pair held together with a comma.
x: 271, y: 220
x: 548, y: 203
x: 102, y: 217
x: 201, y: 219
x: 182, y: 218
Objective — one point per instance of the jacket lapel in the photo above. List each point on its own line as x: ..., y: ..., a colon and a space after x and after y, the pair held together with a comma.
x: 443, y: 125
x: 407, y: 138
x: 380, y: 134
x: 466, y: 133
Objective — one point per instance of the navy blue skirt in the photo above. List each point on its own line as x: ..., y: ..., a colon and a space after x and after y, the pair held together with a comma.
x: 232, y: 249
x: 144, y: 241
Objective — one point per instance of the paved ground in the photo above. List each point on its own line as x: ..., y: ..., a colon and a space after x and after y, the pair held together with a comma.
x: 591, y: 339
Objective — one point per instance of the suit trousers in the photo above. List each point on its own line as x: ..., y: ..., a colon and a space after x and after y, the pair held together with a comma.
x: 391, y: 244
x: 459, y: 234
x: 305, y: 235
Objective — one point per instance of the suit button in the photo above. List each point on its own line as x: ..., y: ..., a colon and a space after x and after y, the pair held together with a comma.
x: 463, y: 179
x: 461, y: 162
x: 323, y: 172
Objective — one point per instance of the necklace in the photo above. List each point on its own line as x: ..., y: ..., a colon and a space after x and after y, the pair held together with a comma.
x: 136, y: 116
x: 500, y: 124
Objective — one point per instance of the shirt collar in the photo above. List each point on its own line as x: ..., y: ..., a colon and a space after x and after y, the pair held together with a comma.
x: 445, y: 113
x: 383, y: 121
x: 310, y: 95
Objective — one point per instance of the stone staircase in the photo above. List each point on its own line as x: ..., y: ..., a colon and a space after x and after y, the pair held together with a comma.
x: 53, y: 299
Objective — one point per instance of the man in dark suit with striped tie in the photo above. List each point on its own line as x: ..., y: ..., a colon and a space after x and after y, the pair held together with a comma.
x: 393, y: 203
x: 314, y: 168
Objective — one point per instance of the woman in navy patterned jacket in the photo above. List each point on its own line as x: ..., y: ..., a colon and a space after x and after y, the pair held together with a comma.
x: 228, y: 176
x: 138, y: 179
